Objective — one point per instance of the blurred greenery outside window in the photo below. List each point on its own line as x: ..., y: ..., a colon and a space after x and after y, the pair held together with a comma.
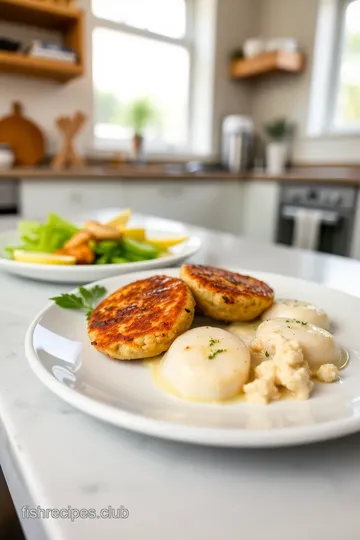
x: 142, y: 51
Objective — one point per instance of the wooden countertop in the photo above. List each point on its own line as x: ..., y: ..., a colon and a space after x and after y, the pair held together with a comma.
x: 122, y: 172
x: 329, y: 174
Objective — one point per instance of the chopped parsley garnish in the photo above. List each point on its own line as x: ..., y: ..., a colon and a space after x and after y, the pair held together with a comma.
x: 304, y: 323
x: 267, y: 354
x: 289, y: 327
x: 215, y: 353
x: 287, y: 320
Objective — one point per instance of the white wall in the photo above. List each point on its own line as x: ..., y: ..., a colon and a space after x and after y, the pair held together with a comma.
x: 236, y: 21
x: 290, y: 95
x: 284, y: 94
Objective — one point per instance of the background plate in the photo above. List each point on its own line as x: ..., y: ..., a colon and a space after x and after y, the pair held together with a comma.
x: 156, y: 227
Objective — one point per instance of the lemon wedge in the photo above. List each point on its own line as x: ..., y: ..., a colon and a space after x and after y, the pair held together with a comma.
x: 120, y: 221
x: 165, y: 243
x: 43, y: 258
x: 135, y: 234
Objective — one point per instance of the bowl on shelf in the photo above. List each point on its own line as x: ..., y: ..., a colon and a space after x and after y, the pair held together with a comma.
x: 253, y: 47
x: 6, y: 156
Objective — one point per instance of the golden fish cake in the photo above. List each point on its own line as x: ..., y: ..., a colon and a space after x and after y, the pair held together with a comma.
x: 227, y: 296
x: 142, y: 319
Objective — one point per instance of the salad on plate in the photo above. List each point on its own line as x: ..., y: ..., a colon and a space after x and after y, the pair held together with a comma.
x: 59, y: 242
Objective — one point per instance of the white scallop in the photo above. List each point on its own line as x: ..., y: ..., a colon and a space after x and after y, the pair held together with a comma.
x: 296, y: 309
x: 318, y: 345
x: 195, y: 373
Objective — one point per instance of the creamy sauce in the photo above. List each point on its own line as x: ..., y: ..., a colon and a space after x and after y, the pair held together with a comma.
x: 154, y: 366
x: 341, y: 365
x: 344, y: 360
x: 245, y: 330
x: 319, y: 346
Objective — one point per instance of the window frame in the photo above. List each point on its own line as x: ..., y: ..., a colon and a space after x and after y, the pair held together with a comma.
x: 187, y: 42
x: 335, y: 78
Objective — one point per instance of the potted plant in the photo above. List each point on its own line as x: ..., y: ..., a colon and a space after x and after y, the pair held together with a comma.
x: 140, y: 114
x: 278, y: 133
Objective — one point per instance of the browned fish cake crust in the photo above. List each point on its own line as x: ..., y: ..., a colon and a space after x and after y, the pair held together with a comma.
x: 142, y: 319
x: 227, y: 296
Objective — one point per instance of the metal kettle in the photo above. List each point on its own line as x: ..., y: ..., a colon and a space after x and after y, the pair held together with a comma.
x: 237, y: 143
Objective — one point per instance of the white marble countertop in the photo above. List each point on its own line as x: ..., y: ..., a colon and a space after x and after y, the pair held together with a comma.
x: 54, y: 456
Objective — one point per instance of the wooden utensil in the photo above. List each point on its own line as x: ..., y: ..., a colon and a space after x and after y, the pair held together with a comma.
x: 69, y: 128
x: 23, y: 136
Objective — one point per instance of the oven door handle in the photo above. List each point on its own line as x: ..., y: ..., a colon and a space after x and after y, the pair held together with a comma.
x: 327, y: 216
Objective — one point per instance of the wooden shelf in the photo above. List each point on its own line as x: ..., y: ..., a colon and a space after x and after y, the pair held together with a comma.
x: 38, y: 13
x: 265, y: 63
x: 39, y: 67
x: 67, y: 20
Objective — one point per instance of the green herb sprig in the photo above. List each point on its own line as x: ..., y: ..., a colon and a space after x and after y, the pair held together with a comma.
x: 86, y: 300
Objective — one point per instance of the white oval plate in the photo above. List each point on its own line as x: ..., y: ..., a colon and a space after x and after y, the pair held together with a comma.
x: 157, y: 228
x: 123, y: 393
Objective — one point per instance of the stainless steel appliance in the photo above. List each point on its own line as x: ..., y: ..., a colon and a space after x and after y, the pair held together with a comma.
x: 237, y: 143
x: 9, y: 196
x: 318, y: 217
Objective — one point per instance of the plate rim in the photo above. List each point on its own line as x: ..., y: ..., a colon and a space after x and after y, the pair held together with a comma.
x: 199, y: 435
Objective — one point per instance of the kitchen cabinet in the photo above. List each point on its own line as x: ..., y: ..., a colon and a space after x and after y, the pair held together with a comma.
x: 260, y: 210
x: 246, y: 208
x: 67, y: 197
x: 215, y: 204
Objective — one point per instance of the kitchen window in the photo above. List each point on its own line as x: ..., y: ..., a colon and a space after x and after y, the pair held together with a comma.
x: 345, y: 102
x: 142, y: 50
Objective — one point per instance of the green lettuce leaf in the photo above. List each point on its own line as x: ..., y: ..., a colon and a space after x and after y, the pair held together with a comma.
x: 47, y: 237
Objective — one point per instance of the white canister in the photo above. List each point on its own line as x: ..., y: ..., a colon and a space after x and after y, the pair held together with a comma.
x: 253, y: 47
x: 276, y: 157
x: 6, y: 156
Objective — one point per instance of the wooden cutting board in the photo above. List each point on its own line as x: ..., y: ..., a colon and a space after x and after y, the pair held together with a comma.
x: 23, y: 136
